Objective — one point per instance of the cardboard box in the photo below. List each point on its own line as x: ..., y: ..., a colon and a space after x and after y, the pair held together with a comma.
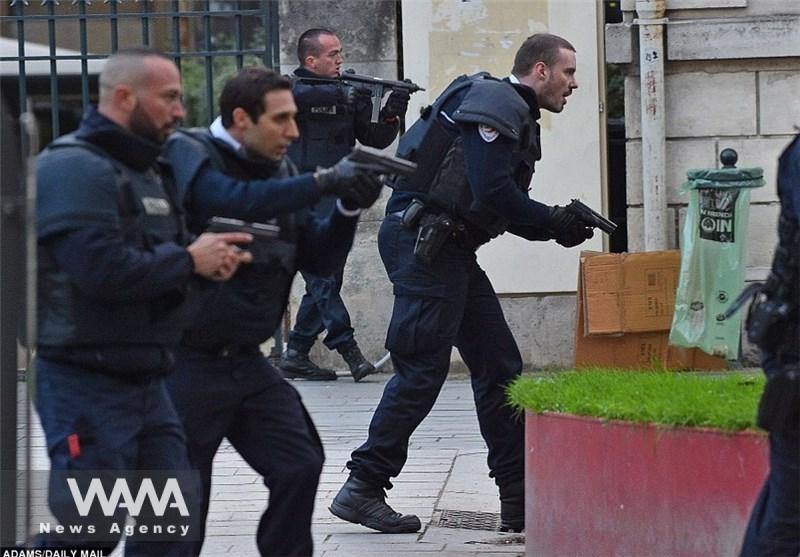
x: 629, y: 292
x: 628, y: 313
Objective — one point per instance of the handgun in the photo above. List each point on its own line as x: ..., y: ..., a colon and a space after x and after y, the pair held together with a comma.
x: 382, y: 163
x: 590, y: 217
x: 266, y: 245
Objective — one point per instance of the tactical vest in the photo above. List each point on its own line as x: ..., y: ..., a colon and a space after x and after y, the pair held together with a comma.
x: 327, y: 131
x: 249, y: 307
x: 149, y: 216
x: 439, y: 152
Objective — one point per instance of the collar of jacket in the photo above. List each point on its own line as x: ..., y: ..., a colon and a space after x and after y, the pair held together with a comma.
x: 529, y: 96
x: 130, y: 149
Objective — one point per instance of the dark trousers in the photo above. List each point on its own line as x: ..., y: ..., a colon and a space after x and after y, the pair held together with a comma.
x: 449, y: 303
x: 322, y: 307
x: 107, y: 426
x: 244, y: 399
x: 774, y: 526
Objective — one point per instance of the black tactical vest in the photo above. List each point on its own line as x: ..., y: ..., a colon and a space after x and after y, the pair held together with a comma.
x: 248, y: 308
x: 149, y: 216
x: 440, y: 152
x: 327, y: 130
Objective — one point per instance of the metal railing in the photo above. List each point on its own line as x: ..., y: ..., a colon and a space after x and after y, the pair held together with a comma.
x: 187, y: 36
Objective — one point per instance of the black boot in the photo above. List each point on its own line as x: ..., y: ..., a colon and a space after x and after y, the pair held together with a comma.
x: 296, y: 365
x: 512, y: 507
x: 359, y: 366
x: 362, y: 503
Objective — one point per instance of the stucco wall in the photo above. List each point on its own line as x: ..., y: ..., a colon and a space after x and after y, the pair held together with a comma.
x: 732, y: 80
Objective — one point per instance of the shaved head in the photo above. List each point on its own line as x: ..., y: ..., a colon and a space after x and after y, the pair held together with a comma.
x: 140, y: 90
x: 126, y: 67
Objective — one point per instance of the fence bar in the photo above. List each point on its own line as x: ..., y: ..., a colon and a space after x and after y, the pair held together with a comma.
x: 51, y: 35
x: 84, y: 61
x: 114, y: 29
x: 208, y: 65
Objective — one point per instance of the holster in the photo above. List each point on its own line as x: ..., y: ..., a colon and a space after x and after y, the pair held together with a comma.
x: 779, y: 407
x: 431, y: 236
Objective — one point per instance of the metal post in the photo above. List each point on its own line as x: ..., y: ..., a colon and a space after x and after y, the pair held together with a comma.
x: 651, y: 63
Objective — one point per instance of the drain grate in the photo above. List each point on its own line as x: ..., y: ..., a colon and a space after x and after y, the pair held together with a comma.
x: 467, y: 520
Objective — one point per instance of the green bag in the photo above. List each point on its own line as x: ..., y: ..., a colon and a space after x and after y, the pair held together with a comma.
x: 712, y: 270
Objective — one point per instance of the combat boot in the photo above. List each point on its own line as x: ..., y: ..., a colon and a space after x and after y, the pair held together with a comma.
x: 359, y: 366
x: 363, y: 503
x: 512, y: 507
x: 296, y: 365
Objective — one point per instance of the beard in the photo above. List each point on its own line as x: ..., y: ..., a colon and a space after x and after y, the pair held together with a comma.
x: 141, y: 125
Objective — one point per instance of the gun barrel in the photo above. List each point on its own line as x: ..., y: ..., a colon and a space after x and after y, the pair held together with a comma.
x: 594, y: 218
x: 349, y: 75
x: 389, y: 163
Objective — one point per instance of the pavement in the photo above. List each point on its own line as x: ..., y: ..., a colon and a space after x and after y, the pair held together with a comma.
x: 445, y: 481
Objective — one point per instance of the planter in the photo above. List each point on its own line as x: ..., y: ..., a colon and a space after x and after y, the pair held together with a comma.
x: 604, y: 487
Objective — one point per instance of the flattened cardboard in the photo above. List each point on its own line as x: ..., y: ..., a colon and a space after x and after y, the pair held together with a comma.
x: 629, y: 292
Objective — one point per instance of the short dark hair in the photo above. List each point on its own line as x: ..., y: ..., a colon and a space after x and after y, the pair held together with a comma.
x: 542, y: 47
x: 308, y: 43
x: 246, y: 90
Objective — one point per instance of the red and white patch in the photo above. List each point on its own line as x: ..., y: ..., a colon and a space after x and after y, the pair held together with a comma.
x: 487, y: 133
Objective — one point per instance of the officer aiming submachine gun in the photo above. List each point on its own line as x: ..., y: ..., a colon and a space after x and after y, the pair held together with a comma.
x: 377, y: 87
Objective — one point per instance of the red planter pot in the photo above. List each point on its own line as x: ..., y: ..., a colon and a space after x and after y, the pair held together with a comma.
x: 609, y: 488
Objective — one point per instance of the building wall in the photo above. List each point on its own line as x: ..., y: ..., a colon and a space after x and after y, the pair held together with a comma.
x: 732, y: 80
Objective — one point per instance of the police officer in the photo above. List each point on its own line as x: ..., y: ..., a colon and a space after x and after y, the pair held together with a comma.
x: 774, y: 527
x: 476, y: 147
x: 331, y: 118
x: 113, y: 282
x: 224, y: 387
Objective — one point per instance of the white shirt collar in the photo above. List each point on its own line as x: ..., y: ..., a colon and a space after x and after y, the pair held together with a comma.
x: 218, y: 130
x: 513, y: 79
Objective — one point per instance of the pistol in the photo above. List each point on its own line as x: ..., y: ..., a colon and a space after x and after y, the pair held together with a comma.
x: 590, y: 217
x: 383, y: 164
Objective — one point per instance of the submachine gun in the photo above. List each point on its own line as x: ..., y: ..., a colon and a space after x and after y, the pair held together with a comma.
x: 377, y: 87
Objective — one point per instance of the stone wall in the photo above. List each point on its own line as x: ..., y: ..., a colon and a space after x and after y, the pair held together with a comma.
x: 732, y: 80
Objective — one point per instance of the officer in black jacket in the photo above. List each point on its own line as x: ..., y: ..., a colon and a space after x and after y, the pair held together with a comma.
x: 774, y: 527
x: 223, y: 386
x: 114, y: 280
x: 331, y: 118
x: 476, y: 148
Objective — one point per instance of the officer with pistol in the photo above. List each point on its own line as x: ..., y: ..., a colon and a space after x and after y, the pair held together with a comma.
x: 476, y: 147
x: 223, y: 386
x: 116, y: 272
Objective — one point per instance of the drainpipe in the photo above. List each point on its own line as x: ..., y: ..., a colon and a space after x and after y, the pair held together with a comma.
x: 651, y: 23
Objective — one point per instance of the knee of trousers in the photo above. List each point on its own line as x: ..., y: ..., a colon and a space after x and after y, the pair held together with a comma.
x: 300, y: 472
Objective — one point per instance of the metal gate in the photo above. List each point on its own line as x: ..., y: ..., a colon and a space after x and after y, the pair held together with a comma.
x: 52, y: 53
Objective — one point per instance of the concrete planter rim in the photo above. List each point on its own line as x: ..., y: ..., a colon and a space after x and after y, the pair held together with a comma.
x: 705, y: 430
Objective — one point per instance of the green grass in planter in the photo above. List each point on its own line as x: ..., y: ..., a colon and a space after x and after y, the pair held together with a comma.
x: 726, y: 401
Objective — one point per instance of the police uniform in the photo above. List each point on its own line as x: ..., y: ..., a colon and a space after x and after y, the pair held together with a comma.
x: 774, y: 526
x: 223, y: 386
x: 329, y: 125
x: 112, y: 287
x: 476, y: 147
